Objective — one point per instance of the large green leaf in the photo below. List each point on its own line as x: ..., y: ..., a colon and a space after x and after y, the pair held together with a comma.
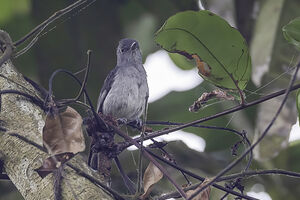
x: 214, y: 41
x: 182, y: 62
x: 291, y: 32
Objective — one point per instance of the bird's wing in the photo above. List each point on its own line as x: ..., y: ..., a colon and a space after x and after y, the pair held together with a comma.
x: 106, y: 88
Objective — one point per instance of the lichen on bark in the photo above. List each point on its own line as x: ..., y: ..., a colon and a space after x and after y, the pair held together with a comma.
x: 23, y: 117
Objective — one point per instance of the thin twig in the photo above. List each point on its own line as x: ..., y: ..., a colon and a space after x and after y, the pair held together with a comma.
x: 140, y: 163
x: 83, y: 85
x: 225, y: 112
x: 241, y: 134
x: 35, y: 100
x: 100, y: 122
x: 82, y: 104
x: 198, y: 177
x: 152, y: 135
x: 51, y: 19
x: 235, y: 162
x: 25, y: 139
x: 248, y: 174
x: 168, y: 123
x: 57, y: 182
x: 128, y: 183
x: 31, y: 43
x: 146, y: 154
x: 77, y: 170
x: 22, y: 85
x: 169, y: 156
x: 96, y: 182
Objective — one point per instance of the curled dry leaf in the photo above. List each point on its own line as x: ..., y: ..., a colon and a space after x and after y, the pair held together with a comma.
x: 204, y: 195
x: 63, y: 132
x: 52, y: 163
x: 151, y: 176
x: 217, y: 93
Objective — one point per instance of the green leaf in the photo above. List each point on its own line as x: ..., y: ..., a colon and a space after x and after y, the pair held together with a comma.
x: 214, y: 41
x: 291, y: 32
x: 182, y: 62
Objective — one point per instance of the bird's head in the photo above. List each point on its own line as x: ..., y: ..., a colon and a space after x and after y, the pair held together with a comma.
x: 129, y: 52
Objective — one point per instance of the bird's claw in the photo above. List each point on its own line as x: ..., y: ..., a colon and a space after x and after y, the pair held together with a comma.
x: 122, y: 121
x: 137, y: 123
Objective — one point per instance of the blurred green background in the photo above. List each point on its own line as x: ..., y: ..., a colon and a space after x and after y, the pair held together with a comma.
x: 103, y: 23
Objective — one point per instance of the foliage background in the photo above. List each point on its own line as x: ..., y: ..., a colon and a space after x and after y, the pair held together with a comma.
x: 101, y: 25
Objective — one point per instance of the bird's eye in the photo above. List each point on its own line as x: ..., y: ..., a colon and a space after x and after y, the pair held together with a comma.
x: 124, y: 49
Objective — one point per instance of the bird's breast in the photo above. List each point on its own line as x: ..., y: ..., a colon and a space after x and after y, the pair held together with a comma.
x: 126, y: 97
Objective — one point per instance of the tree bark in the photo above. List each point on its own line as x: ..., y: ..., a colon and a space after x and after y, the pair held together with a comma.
x: 20, y: 116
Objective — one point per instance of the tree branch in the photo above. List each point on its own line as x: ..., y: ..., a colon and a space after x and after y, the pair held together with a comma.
x: 225, y: 112
x: 198, y: 177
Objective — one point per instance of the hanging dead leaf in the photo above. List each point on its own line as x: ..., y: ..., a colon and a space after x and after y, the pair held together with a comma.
x: 52, y: 163
x: 204, y: 195
x: 206, y: 96
x: 151, y: 176
x: 63, y: 132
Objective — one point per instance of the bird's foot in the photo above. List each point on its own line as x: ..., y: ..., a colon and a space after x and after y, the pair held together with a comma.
x: 122, y: 121
x: 137, y: 123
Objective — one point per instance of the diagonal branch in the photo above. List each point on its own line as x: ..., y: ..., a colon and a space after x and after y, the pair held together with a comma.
x: 198, y: 177
x: 235, y: 162
x: 248, y: 174
x: 225, y: 112
x: 51, y: 19
x: 77, y: 170
x: 146, y: 154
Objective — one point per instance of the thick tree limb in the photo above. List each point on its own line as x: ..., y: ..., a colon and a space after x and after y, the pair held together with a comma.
x: 21, y: 116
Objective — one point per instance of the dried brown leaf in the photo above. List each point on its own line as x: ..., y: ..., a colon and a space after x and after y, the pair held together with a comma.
x: 52, y: 163
x: 63, y: 132
x: 151, y: 176
x: 204, y: 195
x: 206, y: 96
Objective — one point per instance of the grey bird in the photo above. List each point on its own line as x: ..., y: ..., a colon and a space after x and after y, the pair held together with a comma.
x: 125, y: 91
